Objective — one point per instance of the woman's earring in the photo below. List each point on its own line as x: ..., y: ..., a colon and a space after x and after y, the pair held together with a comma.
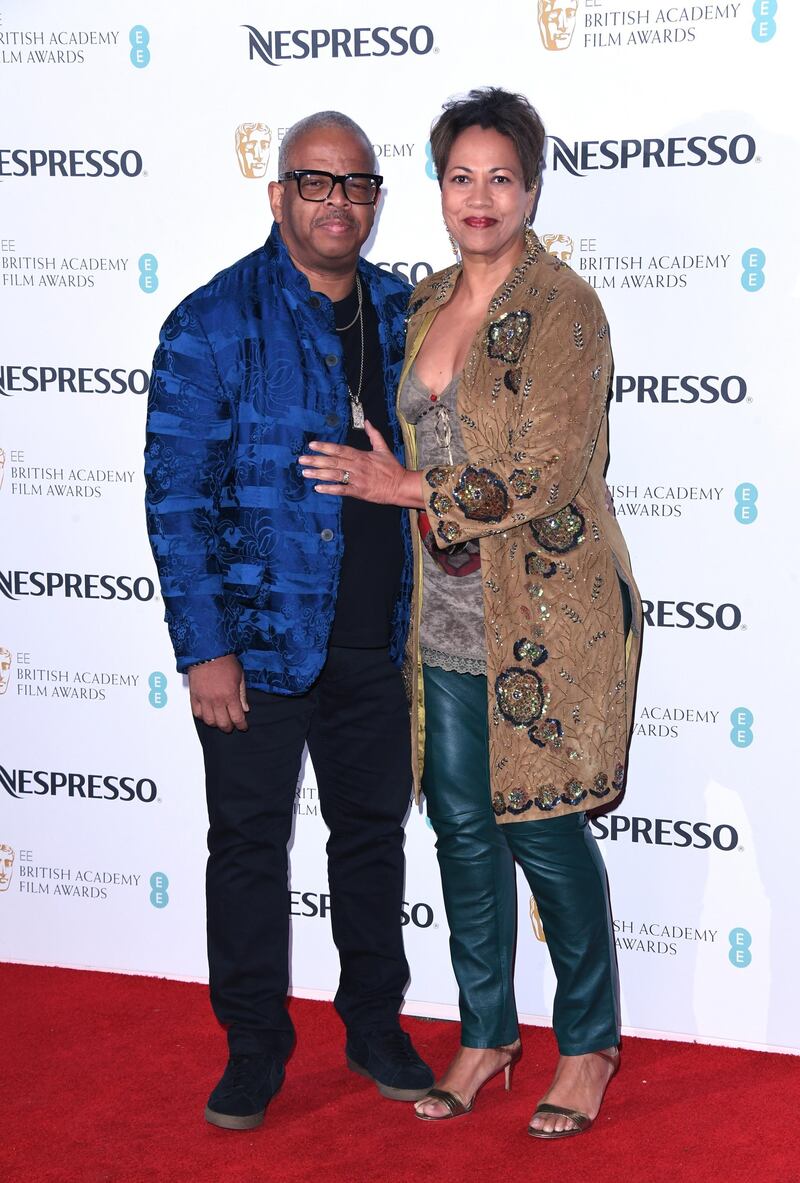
x: 530, y: 237
x: 453, y: 245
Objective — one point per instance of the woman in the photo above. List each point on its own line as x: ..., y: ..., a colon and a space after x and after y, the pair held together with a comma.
x: 528, y: 622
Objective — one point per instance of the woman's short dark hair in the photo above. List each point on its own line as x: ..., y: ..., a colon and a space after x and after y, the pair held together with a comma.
x: 492, y: 107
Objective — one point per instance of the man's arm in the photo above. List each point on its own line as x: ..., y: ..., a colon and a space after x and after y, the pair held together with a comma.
x: 187, y: 458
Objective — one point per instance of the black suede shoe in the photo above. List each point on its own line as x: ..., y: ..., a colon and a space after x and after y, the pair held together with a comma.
x: 388, y: 1058
x: 247, y: 1086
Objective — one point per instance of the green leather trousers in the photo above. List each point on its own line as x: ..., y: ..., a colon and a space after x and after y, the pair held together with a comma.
x: 560, y: 860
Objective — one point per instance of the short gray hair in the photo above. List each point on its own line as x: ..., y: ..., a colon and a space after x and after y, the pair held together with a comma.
x: 315, y: 122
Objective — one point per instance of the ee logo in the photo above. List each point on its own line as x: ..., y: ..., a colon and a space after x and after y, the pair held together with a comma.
x: 742, y: 729
x: 148, y: 280
x: 158, y: 690
x: 140, y: 39
x: 159, y: 896
x: 753, y: 261
x: 739, y: 953
x: 764, y: 27
x: 430, y: 167
x: 746, y: 509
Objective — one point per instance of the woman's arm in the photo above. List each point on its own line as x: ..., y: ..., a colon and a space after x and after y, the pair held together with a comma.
x: 553, y: 441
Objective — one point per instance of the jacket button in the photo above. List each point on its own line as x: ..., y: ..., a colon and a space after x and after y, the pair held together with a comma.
x: 332, y: 420
x: 326, y: 535
x: 331, y: 360
x: 313, y: 301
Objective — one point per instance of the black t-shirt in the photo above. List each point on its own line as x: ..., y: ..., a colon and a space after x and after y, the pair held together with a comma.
x: 372, y: 564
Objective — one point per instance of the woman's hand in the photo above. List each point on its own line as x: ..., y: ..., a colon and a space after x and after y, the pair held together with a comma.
x: 372, y: 476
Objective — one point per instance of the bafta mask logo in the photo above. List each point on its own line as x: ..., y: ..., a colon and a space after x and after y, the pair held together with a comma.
x: 2, y: 466
x: 536, y: 922
x: 252, y: 149
x: 6, y: 866
x: 560, y: 245
x: 5, y: 669
x: 557, y: 22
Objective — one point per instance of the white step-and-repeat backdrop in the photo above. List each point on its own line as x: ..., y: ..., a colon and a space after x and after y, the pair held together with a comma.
x: 136, y: 144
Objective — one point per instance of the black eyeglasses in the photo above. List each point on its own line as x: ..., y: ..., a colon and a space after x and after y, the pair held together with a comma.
x: 313, y: 185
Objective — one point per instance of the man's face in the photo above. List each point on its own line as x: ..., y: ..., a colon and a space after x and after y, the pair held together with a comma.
x: 5, y: 669
x: 324, y: 235
x: 253, y: 143
x: 557, y: 22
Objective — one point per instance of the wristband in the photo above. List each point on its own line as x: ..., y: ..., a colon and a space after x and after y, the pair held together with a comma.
x: 206, y: 661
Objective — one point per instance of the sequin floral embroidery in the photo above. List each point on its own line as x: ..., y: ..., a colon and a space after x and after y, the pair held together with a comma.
x: 548, y: 731
x: 520, y: 696
x: 436, y: 477
x: 481, y: 495
x: 519, y: 800
x: 498, y: 804
x: 507, y: 336
x: 560, y: 532
x: 523, y: 482
x: 525, y: 650
x: 536, y: 565
x: 448, y: 531
x: 547, y: 797
x: 441, y: 504
x: 574, y: 792
x: 600, y: 787
x: 619, y: 777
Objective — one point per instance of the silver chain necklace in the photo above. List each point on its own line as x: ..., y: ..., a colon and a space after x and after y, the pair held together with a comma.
x: 356, y: 405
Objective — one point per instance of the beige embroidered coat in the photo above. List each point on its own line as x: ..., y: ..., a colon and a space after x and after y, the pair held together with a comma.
x: 532, y: 408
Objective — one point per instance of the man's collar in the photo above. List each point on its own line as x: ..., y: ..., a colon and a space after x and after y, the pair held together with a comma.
x: 290, y: 276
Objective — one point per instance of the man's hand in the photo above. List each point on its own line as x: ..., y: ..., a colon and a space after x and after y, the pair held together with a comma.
x: 217, y: 693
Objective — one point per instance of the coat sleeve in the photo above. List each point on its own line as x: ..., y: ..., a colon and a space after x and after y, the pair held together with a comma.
x: 567, y: 371
x: 187, y: 458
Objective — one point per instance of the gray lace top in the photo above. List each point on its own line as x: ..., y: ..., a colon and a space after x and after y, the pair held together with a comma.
x: 452, y: 630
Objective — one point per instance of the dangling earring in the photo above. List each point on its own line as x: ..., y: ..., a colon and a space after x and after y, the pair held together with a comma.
x: 453, y: 245
x: 527, y: 222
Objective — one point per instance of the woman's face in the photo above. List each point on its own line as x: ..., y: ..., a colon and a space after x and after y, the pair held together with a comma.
x: 484, y: 199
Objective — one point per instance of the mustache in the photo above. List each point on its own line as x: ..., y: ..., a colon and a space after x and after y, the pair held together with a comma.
x: 336, y: 216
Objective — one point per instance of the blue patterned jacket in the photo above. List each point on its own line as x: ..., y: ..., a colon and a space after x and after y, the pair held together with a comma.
x: 248, y: 371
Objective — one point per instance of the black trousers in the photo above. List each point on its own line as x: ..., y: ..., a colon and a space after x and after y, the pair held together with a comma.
x: 355, y: 722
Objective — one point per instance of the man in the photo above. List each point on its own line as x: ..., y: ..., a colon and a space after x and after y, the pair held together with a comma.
x: 289, y: 609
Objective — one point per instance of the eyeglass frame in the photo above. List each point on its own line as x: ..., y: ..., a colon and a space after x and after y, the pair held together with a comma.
x: 296, y: 174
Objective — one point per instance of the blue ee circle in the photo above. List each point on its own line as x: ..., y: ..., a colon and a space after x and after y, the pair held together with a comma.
x: 753, y: 261
x: 746, y: 510
x: 430, y: 167
x: 739, y: 953
x: 741, y: 727
x: 139, y: 38
x: 764, y: 27
x: 159, y: 896
x: 158, y: 690
x: 148, y: 279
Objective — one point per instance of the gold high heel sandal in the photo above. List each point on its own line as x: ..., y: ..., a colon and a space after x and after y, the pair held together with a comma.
x: 454, y: 1105
x: 581, y: 1124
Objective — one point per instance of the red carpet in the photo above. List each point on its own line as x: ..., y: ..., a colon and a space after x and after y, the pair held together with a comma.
x: 104, y: 1079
